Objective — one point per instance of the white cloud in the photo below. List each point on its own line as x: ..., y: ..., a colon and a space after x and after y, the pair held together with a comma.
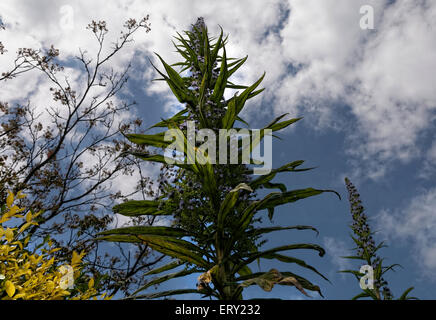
x: 428, y: 169
x: 319, y: 63
x: 336, y: 250
x: 415, y: 224
x: 386, y: 76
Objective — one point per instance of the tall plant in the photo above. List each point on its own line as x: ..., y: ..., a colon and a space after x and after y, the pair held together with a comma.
x: 214, y: 207
x: 366, y: 251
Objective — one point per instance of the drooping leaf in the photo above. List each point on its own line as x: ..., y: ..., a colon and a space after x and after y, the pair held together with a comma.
x: 267, y: 280
x: 164, y: 278
x: 167, y: 293
x: 299, y: 246
x: 263, y: 180
x: 291, y: 196
x: 176, y: 248
x: 299, y: 262
x: 259, y: 231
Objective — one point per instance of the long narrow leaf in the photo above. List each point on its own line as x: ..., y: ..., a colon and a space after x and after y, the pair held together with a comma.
x: 139, y: 207
x: 147, y: 230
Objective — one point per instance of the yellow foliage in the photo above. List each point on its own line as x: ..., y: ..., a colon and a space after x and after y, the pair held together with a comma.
x: 29, y: 275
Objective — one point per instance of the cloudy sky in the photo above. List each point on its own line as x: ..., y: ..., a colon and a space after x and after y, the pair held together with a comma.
x: 367, y: 96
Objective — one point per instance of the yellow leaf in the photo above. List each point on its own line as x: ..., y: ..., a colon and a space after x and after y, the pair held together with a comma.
x: 10, y: 288
x: 20, y: 295
x: 24, y: 227
x: 91, y: 283
x: 10, y: 199
x: 50, y: 262
x: 21, y: 195
x: 77, y: 258
x: 37, y: 214
x: 29, y: 216
x: 9, y: 234
x: 19, y: 244
x: 50, y: 286
x: 14, y: 210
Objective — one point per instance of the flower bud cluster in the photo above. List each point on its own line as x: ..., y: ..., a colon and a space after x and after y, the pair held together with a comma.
x: 366, y: 248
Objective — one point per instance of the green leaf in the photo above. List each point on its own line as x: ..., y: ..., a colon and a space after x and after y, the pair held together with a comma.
x: 217, y: 46
x: 356, y: 273
x: 288, y: 259
x: 138, y: 208
x: 221, y: 81
x: 166, y: 293
x: 263, y: 180
x: 173, y: 74
x: 230, y: 115
x: 160, y: 159
x: 169, y: 266
x: 361, y: 295
x: 353, y: 257
x: 283, y: 124
x: 291, y: 196
x: 242, y: 120
x: 306, y: 246
x: 188, y: 48
x: 404, y: 296
x: 366, y: 293
x: 238, y: 63
x: 240, y: 100
x: 275, y: 199
x: 201, y: 100
x: 177, y: 118
x: 176, y: 248
x: 179, y: 92
x: 244, y: 271
x: 229, y: 202
x: 248, y: 214
x: 259, y: 231
x: 120, y: 238
x: 208, y: 64
x: 147, y: 230
x: 154, y: 140
x: 164, y: 278
x: 255, y: 93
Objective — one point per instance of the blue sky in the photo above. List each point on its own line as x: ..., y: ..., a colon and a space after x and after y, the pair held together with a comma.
x: 367, y: 98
